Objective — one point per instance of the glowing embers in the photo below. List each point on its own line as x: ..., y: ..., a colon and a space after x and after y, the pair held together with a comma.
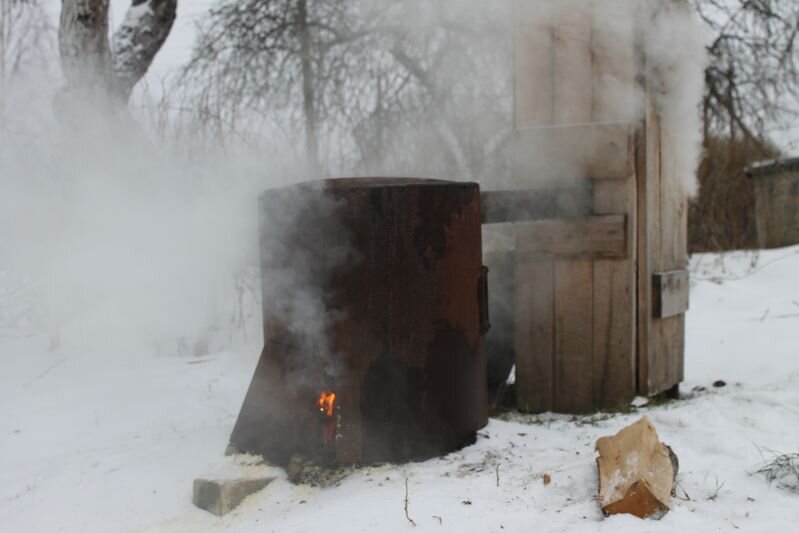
x: 326, y: 403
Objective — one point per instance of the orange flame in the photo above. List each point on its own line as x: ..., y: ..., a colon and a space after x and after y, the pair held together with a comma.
x: 326, y: 402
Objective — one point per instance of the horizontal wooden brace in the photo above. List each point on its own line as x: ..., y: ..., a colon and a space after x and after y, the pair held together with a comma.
x: 593, y: 237
x: 670, y: 293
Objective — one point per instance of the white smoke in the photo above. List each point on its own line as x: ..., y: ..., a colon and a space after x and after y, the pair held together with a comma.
x: 128, y: 239
x: 648, y: 49
x: 676, y: 61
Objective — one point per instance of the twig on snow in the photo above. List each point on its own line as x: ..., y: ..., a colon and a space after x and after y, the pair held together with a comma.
x: 406, y: 505
x: 48, y: 369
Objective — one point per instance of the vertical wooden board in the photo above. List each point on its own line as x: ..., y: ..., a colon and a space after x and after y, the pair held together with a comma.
x: 533, y: 65
x: 667, y: 250
x: 655, y: 355
x: 574, y: 279
x: 674, y: 255
x: 572, y: 74
x: 615, y: 304
x: 616, y: 97
x: 534, y: 336
x: 643, y: 266
x: 673, y: 231
x: 574, y: 324
x: 614, y: 335
x: 762, y: 210
x: 534, y: 328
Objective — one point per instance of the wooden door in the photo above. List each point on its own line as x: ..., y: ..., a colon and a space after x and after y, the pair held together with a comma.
x: 662, y: 260
x: 575, y: 280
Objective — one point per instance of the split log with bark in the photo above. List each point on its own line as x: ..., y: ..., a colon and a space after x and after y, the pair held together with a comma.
x: 636, y: 472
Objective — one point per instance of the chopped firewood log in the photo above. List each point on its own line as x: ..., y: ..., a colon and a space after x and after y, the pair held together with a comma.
x: 636, y: 472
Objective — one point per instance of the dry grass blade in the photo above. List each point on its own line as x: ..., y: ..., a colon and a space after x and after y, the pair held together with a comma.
x: 782, y: 469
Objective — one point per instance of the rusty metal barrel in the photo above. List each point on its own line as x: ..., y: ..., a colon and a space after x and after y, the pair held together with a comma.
x: 375, y: 312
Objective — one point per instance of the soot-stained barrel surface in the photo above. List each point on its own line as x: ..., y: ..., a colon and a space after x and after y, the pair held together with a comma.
x: 374, y: 305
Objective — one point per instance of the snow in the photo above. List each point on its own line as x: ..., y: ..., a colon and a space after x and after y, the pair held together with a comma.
x: 111, y: 441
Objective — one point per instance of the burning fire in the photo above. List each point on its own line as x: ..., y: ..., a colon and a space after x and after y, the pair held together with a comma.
x: 326, y: 402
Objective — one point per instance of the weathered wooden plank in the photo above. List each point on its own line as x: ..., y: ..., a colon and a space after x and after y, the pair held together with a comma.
x: 599, y: 236
x: 614, y: 334
x: 614, y: 96
x: 573, y: 151
x: 611, y: 151
x: 670, y: 293
x: 776, y: 205
x: 574, y: 319
x: 666, y: 251
x: 674, y: 254
x: 655, y: 352
x: 533, y: 42
x: 643, y: 261
x: 534, y: 336
x: 571, y: 56
x: 615, y: 304
x: 573, y: 278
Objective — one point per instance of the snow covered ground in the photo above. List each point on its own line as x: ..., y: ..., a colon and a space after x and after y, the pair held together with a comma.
x: 94, y: 441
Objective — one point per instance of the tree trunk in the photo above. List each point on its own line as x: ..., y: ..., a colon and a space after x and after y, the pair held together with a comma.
x: 83, y: 45
x: 91, y: 68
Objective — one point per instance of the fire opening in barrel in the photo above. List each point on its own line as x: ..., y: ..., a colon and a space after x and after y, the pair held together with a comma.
x: 327, y: 402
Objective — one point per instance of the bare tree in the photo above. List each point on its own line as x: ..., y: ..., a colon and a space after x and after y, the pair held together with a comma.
x: 91, y: 64
x: 367, y: 81
x: 751, y: 88
x: 274, y: 58
x: 752, y: 81
x: 23, y: 38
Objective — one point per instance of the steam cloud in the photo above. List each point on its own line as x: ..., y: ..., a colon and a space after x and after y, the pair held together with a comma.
x: 128, y: 241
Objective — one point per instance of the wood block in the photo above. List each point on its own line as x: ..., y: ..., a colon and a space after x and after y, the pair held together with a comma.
x: 636, y: 472
x: 601, y: 236
x: 220, y: 496
x: 670, y: 293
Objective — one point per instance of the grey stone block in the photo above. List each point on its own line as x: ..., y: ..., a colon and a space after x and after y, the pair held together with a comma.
x: 220, y: 496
